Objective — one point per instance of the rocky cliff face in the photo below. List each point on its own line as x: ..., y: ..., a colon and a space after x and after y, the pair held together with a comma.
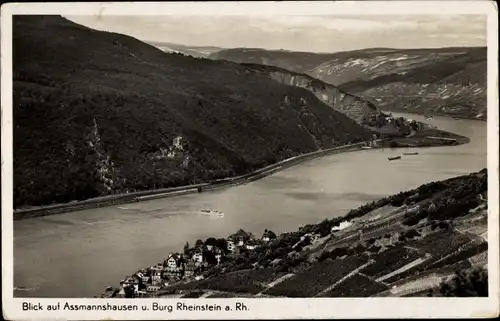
x: 352, y: 106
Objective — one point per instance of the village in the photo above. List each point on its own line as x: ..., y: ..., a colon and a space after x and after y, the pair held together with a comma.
x: 192, y: 264
x: 189, y: 265
x: 195, y: 262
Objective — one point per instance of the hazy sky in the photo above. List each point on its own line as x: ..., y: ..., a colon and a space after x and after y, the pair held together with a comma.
x: 302, y: 33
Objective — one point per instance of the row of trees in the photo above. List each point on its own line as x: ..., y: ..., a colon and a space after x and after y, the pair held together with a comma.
x: 458, y: 197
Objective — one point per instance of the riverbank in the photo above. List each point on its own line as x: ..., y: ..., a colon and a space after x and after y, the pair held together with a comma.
x: 433, y: 114
x: 386, y: 245
x: 180, y: 190
x: 420, y: 139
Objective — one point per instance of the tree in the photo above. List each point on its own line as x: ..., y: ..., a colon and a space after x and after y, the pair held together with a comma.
x: 324, y: 255
x: 285, y: 267
x: 198, y: 243
x: 412, y: 233
x: 210, y: 257
x: 358, y: 249
x: 129, y: 291
x: 271, y: 234
x: 186, y: 249
x: 393, y: 144
x: 472, y: 283
x: 211, y: 241
x: 221, y: 243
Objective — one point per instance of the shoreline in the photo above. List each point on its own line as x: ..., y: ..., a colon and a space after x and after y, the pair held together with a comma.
x: 138, y: 196
x: 437, y: 114
x: 105, y: 201
x: 321, y: 241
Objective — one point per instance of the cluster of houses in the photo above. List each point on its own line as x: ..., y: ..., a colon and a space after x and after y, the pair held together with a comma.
x: 189, y: 265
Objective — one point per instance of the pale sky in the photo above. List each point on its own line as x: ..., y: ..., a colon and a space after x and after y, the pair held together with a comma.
x: 299, y: 33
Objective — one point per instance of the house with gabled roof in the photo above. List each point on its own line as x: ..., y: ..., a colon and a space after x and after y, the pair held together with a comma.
x: 172, y: 260
x: 240, y: 237
x: 131, y: 281
x: 174, y: 263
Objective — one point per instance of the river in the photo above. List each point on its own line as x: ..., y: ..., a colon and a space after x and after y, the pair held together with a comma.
x: 78, y: 254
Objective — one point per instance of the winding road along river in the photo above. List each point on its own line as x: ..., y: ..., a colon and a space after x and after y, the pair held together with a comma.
x: 78, y: 254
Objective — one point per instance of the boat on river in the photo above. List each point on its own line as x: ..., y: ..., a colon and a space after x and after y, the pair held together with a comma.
x: 394, y: 158
x: 414, y: 153
x: 212, y: 213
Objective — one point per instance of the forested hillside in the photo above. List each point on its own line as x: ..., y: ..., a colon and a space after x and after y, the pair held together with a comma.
x: 98, y: 113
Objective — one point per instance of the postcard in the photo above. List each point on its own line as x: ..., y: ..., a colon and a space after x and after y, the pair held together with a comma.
x: 250, y: 160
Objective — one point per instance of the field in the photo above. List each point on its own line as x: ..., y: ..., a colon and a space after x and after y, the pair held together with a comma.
x: 319, y: 277
x: 377, y: 214
x: 221, y: 295
x: 249, y: 281
x: 390, y: 260
x: 439, y: 245
x: 356, y: 286
x: 192, y: 295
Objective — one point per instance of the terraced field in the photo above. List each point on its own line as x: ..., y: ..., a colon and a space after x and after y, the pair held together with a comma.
x: 470, y: 250
x: 417, y: 286
x: 444, y: 249
x: 356, y: 286
x: 391, y: 260
x: 441, y: 243
x: 440, y: 271
x: 245, y: 281
x: 479, y: 259
x: 192, y: 295
x: 221, y: 295
x: 317, y: 278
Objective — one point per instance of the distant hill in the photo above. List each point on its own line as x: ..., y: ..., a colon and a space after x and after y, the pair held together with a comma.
x: 291, y: 60
x: 99, y: 113
x: 450, y: 81
x: 195, y: 51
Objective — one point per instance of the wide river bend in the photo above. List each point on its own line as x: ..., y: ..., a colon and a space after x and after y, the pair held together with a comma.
x: 78, y: 254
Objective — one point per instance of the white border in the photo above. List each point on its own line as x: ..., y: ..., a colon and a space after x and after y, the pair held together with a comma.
x: 261, y: 308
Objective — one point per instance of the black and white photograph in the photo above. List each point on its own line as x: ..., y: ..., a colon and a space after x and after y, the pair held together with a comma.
x: 200, y: 160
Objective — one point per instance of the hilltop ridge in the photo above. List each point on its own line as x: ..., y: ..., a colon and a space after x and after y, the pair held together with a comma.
x: 449, y: 81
